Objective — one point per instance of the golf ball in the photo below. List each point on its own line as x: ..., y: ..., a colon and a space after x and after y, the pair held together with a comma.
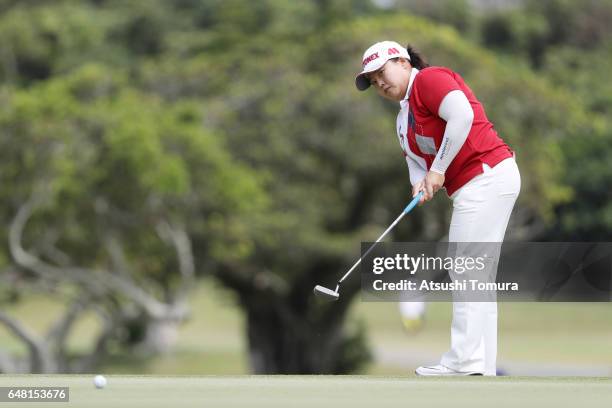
x: 100, y: 381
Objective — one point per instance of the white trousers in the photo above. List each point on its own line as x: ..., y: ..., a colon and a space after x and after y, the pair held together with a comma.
x: 481, y: 210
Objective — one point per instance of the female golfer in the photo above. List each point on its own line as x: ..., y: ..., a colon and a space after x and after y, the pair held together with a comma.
x: 449, y: 142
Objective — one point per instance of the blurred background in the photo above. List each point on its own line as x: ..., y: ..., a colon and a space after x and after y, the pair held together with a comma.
x: 176, y: 176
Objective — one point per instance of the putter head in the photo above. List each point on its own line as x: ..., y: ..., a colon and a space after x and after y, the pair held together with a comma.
x: 326, y: 293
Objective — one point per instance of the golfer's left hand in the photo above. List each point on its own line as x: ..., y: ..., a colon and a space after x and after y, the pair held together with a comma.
x: 433, y: 182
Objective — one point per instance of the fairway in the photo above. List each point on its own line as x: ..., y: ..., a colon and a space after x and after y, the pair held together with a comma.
x: 323, y: 391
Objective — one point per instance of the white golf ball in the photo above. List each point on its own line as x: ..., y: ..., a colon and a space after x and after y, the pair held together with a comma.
x: 100, y: 381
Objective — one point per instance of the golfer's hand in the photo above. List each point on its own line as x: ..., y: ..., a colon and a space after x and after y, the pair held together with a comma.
x: 417, y: 188
x: 431, y: 184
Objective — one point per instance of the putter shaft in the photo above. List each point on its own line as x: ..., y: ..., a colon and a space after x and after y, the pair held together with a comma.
x: 409, y: 207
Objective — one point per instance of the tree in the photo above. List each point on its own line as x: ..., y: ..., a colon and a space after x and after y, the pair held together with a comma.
x: 104, y: 188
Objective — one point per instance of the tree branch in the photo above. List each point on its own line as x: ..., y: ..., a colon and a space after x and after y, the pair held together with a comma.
x: 117, y: 256
x: 58, y: 334
x: 96, y: 282
x: 49, y: 249
x: 88, y: 362
x: 7, y: 364
x: 179, y: 239
x: 229, y: 274
x: 39, y: 354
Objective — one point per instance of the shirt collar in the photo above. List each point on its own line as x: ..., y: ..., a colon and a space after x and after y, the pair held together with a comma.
x: 413, y: 74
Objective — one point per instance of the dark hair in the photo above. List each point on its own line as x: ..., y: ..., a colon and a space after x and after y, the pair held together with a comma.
x: 415, y: 58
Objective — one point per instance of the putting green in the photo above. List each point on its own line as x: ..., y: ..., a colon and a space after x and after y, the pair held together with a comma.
x: 323, y: 391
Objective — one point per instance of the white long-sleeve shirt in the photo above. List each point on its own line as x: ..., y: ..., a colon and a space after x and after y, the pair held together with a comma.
x: 455, y: 109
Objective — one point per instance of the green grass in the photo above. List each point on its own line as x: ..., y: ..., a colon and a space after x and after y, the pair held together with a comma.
x: 324, y: 391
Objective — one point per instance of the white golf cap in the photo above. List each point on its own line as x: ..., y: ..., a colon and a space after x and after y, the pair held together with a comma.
x: 375, y: 57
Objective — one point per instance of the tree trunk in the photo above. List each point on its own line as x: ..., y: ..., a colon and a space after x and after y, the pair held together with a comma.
x: 161, y: 336
x: 282, y: 341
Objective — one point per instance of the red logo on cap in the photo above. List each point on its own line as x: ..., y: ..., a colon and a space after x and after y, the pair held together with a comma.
x: 393, y: 51
x: 370, y: 58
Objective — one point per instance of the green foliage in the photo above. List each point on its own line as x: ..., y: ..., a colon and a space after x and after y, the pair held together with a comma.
x: 112, y: 159
x: 516, y: 32
x: 41, y: 41
x: 569, y: 44
x: 537, y: 26
x: 584, y: 74
x: 456, y: 13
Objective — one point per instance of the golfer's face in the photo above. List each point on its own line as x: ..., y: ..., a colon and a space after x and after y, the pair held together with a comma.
x: 391, y: 80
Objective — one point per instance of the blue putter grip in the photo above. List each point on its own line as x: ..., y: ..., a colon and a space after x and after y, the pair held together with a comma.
x: 413, y: 203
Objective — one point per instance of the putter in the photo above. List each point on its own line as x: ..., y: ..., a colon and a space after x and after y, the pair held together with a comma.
x: 329, y: 294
